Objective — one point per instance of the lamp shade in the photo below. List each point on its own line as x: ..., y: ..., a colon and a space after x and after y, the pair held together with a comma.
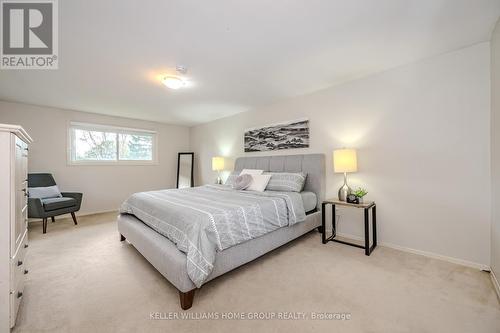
x: 345, y: 160
x: 217, y: 163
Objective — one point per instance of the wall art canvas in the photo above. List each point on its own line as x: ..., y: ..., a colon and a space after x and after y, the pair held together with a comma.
x: 287, y: 135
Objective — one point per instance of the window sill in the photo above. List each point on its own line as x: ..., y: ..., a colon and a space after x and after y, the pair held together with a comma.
x: 113, y: 163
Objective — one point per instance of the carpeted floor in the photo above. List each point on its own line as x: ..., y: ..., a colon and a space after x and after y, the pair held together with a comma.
x: 83, y: 279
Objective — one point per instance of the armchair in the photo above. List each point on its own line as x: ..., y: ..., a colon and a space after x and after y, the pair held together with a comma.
x: 44, y: 208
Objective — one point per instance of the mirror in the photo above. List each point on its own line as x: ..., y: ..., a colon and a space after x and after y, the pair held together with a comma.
x: 185, y: 177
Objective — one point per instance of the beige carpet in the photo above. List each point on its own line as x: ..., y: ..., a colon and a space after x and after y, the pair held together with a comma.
x: 82, y: 279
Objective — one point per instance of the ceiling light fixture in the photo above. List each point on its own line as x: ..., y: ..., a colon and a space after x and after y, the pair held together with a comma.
x: 173, y: 82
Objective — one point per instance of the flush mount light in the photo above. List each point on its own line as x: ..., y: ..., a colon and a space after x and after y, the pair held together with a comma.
x: 173, y: 82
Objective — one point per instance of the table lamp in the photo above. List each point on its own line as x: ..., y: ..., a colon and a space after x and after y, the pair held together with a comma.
x: 218, y: 165
x: 344, y: 161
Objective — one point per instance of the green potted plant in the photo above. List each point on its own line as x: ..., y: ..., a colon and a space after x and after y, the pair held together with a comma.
x: 360, y: 193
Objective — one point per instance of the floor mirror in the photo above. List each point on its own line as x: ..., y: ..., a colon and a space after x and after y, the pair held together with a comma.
x: 185, y: 177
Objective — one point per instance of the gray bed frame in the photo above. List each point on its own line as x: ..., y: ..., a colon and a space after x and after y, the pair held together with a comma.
x: 171, y: 263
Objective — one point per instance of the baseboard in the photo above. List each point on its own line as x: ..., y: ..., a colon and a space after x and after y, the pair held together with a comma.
x: 496, y: 285
x: 457, y: 261
x: 78, y: 215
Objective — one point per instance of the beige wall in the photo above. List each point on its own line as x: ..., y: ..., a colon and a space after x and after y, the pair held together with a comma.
x: 423, y: 137
x: 104, y: 187
x: 495, y: 150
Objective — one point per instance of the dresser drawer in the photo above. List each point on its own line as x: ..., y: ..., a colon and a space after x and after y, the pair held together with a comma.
x: 18, y: 261
x: 21, y: 224
x: 23, y: 246
x: 18, y: 277
x: 16, y: 298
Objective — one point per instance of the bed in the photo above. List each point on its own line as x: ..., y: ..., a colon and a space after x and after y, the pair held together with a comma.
x: 184, y: 269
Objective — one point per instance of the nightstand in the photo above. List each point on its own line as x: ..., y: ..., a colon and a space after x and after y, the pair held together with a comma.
x: 366, y: 207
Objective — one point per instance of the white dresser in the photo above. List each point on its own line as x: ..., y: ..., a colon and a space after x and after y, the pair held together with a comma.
x: 13, y: 221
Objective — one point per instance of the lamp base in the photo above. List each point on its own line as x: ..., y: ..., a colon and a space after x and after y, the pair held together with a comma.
x: 218, y: 181
x: 344, y: 191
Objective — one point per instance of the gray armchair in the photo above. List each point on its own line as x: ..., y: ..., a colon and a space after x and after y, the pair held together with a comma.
x: 51, y: 207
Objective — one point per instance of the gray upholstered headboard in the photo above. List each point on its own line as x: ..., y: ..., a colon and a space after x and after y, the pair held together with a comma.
x: 311, y: 164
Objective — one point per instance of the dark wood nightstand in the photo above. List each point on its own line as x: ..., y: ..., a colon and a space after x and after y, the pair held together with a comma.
x: 367, y: 207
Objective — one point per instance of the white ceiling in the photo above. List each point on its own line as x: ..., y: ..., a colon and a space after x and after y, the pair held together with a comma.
x: 240, y: 54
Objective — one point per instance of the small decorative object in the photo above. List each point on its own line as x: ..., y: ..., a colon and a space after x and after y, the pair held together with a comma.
x: 288, y: 135
x: 360, y: 193
x: 351, y: 198
x: 218, y: 165
x: 344, y: 161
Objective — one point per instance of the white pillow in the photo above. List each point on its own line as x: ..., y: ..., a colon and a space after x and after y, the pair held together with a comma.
x: 44, y: 192
x: 259, y: 183
x: 251, y: 172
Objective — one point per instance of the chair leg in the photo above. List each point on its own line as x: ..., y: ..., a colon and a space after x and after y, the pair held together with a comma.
x: 74, y: 217
x: 44, y: 225
x: 53, y: 219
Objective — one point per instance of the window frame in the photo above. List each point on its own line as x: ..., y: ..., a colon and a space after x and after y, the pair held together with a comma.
x: 71, y: 149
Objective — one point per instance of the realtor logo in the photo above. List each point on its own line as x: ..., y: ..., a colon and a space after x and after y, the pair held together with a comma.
x: 29, y: 34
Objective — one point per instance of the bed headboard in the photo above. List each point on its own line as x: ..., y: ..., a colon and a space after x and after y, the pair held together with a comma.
x: 311, y: 164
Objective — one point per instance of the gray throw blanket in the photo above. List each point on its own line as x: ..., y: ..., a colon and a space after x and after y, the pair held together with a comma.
x: 203, y: 220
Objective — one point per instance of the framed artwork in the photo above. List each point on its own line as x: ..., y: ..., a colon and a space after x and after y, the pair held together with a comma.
x: 286, y: 135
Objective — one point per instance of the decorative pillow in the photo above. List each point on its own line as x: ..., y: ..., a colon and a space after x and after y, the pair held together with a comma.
x: 44, y: 192
x: 286, y: 181
x: 231, y: 178
x: 259, y: 183
x: 251, y: 172
x: 242, y: 182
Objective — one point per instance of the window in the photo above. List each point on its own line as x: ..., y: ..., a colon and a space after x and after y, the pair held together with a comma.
x: 99, y: 144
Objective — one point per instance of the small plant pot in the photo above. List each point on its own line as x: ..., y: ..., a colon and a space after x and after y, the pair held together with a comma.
x: 360, y: 200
